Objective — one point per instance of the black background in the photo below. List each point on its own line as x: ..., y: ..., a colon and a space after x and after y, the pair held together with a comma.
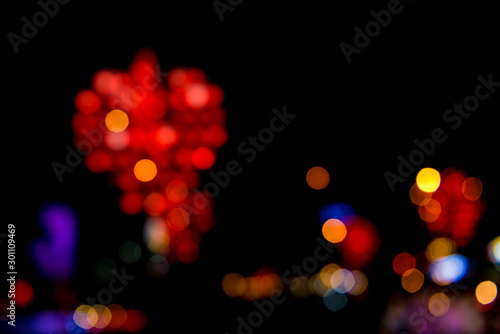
x: 353, y: 119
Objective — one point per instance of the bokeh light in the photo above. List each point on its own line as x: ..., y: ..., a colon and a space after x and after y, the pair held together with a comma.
x: 428, y: 180
x: 360, y: 244
x: 412, y: 280
x: 493, y: 250
x: 440, y: 247
x: 417, y: 196
x: 155, y: 204
x: 157, y: 266
x: 177, y: 191
x: 342, y: 281
x: 203, y: 158
x: 449, y: 269
x: 360, y: 283
x: 403, y: 262
x: 178, y: 219
x: 325, y: 274
x: 317, y: 286
x: 85, y: 316
x: 233, y: 285
x: 317, y: 178
x: 135, y: 322
x: 341, y: 211
x: 439, y: 304
x: 472, y: 188
x: 103, y: 316
x: 145, y: 170
x: 334, y: 230
x: 129, y: 252
x: 262, y: 284
x: 334, y: 301
x: 429, y: 210
x: 24, y: 292
x: 117, y: 140
x: 116, y: 120
x: 157, y: 235
x: 486, y: 292
x: 118, y: 315
x: 131, y: 202
x: 299, y: 287
x: 87, y: 101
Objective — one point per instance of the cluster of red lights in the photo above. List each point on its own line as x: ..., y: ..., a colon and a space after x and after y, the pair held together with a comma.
x: 153, y: 134
x: 454, y: 209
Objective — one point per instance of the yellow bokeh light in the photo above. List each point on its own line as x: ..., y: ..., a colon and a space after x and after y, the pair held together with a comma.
x: 85, y: 316
x: 439, y: 304
x: 317, y: 178
x: 440, y: 247
x: 145, y: 170
x: 116, y: 120
x: 325, y: 274
x: 103, y: 316
x: 334, y: 230
x: 412, y: 280
x: 317, y: 286
x: 428, y: 180
x: 486, y: 292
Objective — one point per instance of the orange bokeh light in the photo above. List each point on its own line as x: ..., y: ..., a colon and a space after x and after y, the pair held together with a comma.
x: 145, y: 170
x: 412, y: 280
x: 317, y: 178
x: 334, y: 230
x: 403, y: 262
x: 116, y: 120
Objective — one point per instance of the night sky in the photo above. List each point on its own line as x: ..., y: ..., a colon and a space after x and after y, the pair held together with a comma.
x: 354, y: 119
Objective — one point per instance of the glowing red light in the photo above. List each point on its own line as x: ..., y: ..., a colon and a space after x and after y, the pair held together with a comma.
x: 135, y: 322
x: 360, y: 244
x: 87, y: 101
x: 203, y: 158
x: 131, y: 203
